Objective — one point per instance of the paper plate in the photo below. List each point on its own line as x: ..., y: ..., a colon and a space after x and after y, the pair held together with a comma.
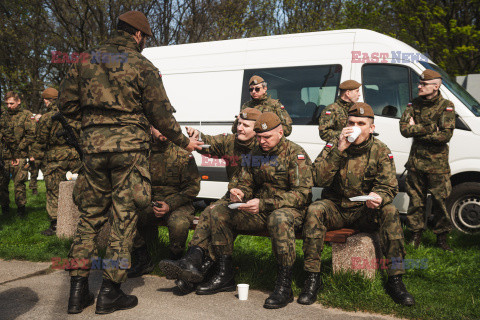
x: 234, y: 205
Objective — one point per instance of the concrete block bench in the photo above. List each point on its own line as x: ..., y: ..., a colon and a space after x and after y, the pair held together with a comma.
x: 350, y: 250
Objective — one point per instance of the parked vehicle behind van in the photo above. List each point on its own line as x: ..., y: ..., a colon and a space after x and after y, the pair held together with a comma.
x: 207, y: 83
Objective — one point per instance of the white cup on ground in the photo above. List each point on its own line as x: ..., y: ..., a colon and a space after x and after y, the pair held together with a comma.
x: 354, y: 135
x: 242, y: 291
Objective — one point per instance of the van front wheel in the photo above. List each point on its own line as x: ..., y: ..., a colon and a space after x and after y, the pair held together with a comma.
x: 464, y: 207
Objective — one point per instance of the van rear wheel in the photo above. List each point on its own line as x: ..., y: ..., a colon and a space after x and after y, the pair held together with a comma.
x: 464, y: 207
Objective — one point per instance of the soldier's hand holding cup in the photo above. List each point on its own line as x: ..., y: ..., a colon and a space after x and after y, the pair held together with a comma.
x: 160, y: 209
x: 343, y: 142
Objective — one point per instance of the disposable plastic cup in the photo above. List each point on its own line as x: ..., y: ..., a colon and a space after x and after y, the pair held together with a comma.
x: 356, y: 132
x: 242, y: 291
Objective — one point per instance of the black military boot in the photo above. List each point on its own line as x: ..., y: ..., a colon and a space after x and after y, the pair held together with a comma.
x: 175, y: 256
x: 186, y: 287
x: 112, y: 298
x: 417, y: 239
x: 222, y: 280
x: 282, y: 294
x: 80, y: 295
x: 22, y: 212
x: 442, y: 242
x: 142, y: 263
x: 52, y: 230
x: 187, y: 268
x: 396, y: 289
x: 313, y: 284
x: 5, y: 210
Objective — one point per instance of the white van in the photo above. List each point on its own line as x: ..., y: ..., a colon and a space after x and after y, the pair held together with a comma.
x: 207, y: 83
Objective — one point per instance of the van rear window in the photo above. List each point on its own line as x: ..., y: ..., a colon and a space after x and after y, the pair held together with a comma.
x: 304, y: 91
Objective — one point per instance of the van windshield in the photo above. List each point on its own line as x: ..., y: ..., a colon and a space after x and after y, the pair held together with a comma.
x: 456, y: 89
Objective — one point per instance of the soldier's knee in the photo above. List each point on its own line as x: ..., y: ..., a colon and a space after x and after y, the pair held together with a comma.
x: 279, y: 218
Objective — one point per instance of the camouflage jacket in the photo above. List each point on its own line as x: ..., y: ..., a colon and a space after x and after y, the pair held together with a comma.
x: 116, y: 95
x: 174, y: 174
x: 333, y: 119
x: 267, y: 104
x: 18, y: 130
x: 280, y: 178
x: 433, y: 129
x: 48, y: 145
x: 358, y: 170
x: 228, y: 148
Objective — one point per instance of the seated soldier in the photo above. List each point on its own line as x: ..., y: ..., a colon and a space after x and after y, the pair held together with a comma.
x: 175, y: 184
x: 231, y: 147
x: 275, y: 185
x: 348, y: 169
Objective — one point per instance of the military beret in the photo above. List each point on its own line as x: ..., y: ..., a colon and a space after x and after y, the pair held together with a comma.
x: 255, y: 80
x: 266, y: 121
x: 430, y: 75
x: 250, y: 114
x: 50, y: 93
x: 349, y: 85
x: 137, y: 20
x: 361, y: 109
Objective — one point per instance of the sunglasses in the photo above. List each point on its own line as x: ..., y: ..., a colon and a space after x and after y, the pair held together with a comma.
x: 257, y: 89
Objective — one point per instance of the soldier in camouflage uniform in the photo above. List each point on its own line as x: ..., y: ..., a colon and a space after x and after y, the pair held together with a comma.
x: 335, y: 116
x: 263, y: 102
x: 345, y: 170
x: 116, y: 96
x: 275, y: 183
x: 175, y: 184
x: 19, y: 134
x: 4, y: 175
x: 233, y: 149
x: 430, y: 120
x: 60, y: 157
x: 37, y: 164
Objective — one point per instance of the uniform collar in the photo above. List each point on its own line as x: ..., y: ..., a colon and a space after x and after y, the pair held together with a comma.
x: 262, y: 98
x: 430, y: 102
x: 124, y: 39
x: 277, y: 149
x: 361, y: 148
x: 15, y: 111
x: 345, y: 104
x: 246, y: 145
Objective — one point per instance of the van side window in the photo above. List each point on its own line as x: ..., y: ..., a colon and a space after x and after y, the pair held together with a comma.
x: 304, y: 91
x: 388, y: 89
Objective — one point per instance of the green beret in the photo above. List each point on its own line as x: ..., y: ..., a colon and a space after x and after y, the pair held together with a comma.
x: 349, y: 85
x: 251, y: 114
x: 137, y: 20
x: 430, y: 75
x: 50, y: 93
x: 266, y: 122
x: 361, y: 109
x: 255, y: 80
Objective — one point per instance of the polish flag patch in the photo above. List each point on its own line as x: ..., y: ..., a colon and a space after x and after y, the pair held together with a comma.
x: 390, y: 156
x: 224, y: 134
x: 409, y: 104
x: 329, y: 145
x: 328, y: 113
x: 300, y: 157
x: 449, y: 109
x: 190, y: 155
x: 282, y: 107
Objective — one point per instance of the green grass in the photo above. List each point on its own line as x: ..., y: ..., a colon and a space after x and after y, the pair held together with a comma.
x: 449, y: 288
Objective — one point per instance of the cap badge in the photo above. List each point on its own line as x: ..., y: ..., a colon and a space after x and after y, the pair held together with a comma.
x: 264, y: 126
x: 244, y: 115
x: 362, y: 111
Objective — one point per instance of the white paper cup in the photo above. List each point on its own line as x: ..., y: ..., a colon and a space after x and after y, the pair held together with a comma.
x: 356, y: 132
x: 242, y: 291
x: 71, y: 176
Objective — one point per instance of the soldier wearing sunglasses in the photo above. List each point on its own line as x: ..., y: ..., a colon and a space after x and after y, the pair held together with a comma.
x: 263, y: 102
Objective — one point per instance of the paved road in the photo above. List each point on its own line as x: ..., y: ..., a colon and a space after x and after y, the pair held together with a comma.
x: 31, y: 290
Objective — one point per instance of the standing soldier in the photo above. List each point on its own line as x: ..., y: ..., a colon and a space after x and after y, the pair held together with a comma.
x: 20, y: 129
x: 37, y: 164
x: 263, y: 102
x: 345, y: 170
x: 275, y: 184
x: 335, y: 116
x: 430, y: 120
x: 116, y: 96
x: 4, y: 174
x: 60, y: 157
x: 175, y: 184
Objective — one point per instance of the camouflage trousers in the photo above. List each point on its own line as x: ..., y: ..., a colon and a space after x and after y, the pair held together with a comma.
x: 19, y: 174
x: 34, y: 169
x: 178, y: 224
x: 418, y: 185
x: 55, y: 172
x: 325, y: 215
x: 280, y: 223
x: 202, y: 237
x: 116, y: 181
